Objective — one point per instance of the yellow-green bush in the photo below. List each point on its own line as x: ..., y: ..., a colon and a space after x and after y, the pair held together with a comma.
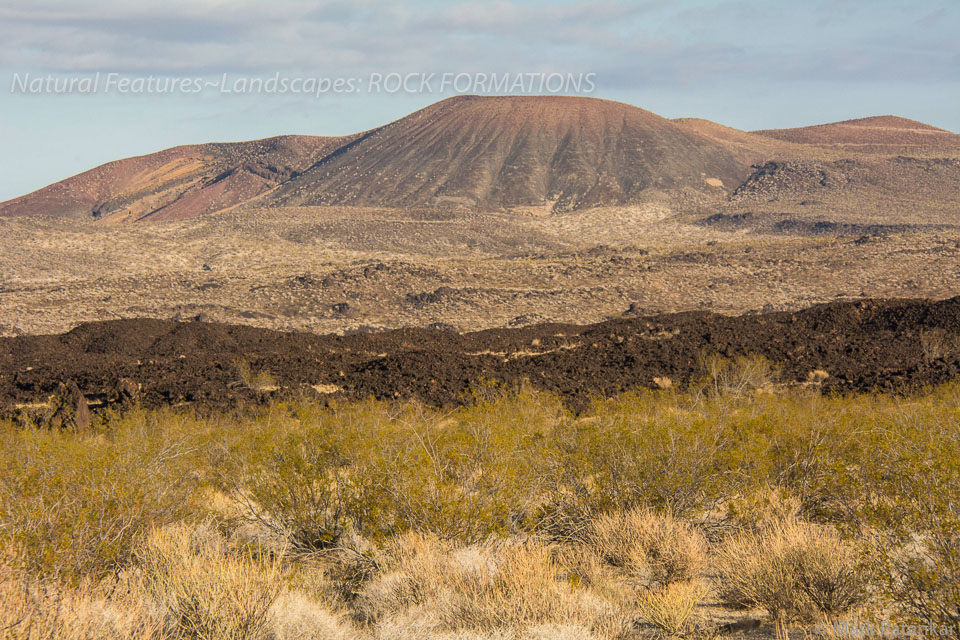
x: 74, y: 504
x: 924, y: 580
x: 516, y: 463
x: 646, y: 448
x: 383, y: 468
x: 476, y: 471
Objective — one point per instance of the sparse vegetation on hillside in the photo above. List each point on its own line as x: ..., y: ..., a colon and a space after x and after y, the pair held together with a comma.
x: 654, y: 513
x: 331, y: 269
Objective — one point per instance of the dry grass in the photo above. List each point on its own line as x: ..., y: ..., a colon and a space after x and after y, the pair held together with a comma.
x: 32, y: 610
x: 795, y: 571
x: 761, y: 509
x: 208, y: 592
x: 739, y: 376
x: 655, y: 549
x: 488, y: 586
x: 259, y: 381
x: 294, y: 616
x: 442, y: 537
x: 671, y: 609
x: 937, y: 344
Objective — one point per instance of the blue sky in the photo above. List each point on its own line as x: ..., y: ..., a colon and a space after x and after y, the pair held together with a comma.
x: 746, y: 63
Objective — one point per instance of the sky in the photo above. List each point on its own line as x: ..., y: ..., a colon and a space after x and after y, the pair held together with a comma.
x: 750, y: 64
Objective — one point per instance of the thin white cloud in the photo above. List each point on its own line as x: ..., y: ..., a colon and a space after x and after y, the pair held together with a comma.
x: 658, y: 42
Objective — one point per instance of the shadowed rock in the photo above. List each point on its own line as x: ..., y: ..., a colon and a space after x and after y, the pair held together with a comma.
x: 69, y: 408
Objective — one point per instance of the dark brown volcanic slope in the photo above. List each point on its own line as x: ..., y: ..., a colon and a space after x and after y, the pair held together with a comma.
x: 181, y: 182
x: 876, y: 134
x: 866, y: 345
x: 502, y: 152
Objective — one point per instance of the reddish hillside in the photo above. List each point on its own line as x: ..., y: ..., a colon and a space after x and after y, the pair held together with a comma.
x: 750, y: 147
x: 552, y: 153
x: 871, y: 134
x: 181, y: 182
x: 501, y: 152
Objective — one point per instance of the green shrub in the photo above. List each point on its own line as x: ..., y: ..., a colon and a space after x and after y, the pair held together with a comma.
x: 515, y: 462
x: 381, y: 468
x: 303, y: 473
x: 74, y: 505
x: 646, y: 449
x: 476, y: 471
x: 925, y: 581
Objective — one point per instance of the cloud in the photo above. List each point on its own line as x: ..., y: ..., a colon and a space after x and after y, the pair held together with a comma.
x: 659, y: 42
x: 506, y: 17
x: 162, y: 37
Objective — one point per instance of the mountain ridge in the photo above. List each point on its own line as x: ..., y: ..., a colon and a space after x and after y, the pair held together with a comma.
x: 492, y: 152
x: 874, y: 132
x: 178, y: 182
x: 542, y: 153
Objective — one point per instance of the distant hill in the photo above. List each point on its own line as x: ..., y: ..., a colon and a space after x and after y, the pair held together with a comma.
x: 502, y: 152
x: 181, y: 182
x: 750, y: 147
x: 871, y: 134
x: 926, y: 179
x: 549, y: 153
